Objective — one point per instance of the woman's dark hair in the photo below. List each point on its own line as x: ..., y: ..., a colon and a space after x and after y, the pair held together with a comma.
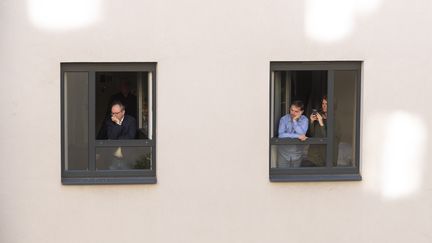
x: 324, y: 97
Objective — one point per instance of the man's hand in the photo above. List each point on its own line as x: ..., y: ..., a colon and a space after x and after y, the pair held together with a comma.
x: 297, y: 117
x: 115, y: 120
x: 303, y: 137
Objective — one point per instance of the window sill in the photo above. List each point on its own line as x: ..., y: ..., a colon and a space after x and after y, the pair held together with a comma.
x: 109, y: 180
x: 305, y: 178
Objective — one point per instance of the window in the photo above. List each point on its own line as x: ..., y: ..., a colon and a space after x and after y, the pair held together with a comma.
x: 108, y: 123
x: 314, y: 121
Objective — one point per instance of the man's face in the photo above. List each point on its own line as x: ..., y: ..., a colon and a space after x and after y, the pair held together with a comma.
x: 117, y: 112
x: 295, y: 111
x: 324, y: 105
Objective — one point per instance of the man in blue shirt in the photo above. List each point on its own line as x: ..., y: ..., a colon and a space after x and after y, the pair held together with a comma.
x: 292, y: 125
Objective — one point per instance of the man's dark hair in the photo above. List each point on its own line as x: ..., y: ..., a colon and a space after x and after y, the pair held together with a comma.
x: 116, y: 102
x: 299, y: 104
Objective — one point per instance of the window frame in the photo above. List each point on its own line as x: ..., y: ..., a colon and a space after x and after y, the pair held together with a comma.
x: 328, y: 172
x: 91, y: 175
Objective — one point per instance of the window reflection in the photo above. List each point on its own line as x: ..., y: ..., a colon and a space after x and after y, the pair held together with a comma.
x: 345, y: 97
x: 76, y: 120
x: 123, y: 158
x: 295, y: 156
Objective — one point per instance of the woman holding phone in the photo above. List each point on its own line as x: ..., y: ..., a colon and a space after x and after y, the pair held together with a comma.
x: 318, y: 129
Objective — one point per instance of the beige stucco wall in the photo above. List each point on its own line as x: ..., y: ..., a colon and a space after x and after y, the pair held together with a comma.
x: 212, y: 121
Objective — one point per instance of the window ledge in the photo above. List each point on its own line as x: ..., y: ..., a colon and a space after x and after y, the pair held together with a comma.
x: 305, y: 178
x: 109, y: 180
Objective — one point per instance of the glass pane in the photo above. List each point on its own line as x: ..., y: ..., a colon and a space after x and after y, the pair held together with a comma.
x: 280, y: 99
x: 295, y: 156
x: 123, y: 158
x: 307, y: 88
x: 76, y: 120
x: 316, y: 156
x: 129, y: 92
x: 345, y: 117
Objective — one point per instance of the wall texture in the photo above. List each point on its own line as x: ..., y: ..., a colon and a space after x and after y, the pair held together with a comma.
x: 212, y: 120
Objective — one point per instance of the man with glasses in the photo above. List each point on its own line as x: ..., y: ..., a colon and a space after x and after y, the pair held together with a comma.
x: 293, y: 125
x: 120, y: 126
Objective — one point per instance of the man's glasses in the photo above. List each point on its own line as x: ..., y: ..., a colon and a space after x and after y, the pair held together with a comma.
x: 116, y: 113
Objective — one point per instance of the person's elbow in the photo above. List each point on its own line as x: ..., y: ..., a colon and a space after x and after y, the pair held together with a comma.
x: 289, y: 135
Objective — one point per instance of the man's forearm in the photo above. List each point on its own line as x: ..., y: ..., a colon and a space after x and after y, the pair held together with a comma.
x: 289, y: 135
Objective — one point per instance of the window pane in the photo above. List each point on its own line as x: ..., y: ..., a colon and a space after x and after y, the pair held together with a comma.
x: 309, y: 87
x: 295, y: 156
x: 76, y: 120
x: 131, y: 89
x: 280, y: 99
x: 345, y: 83
x: 316, y: 156
x: 123, y: 158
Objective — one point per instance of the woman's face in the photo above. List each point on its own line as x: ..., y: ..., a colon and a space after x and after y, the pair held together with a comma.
x: 324, y: 105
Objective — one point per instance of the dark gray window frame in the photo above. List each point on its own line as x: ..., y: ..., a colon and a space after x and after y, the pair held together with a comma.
x: 329, y: 172
x: 108, y: 177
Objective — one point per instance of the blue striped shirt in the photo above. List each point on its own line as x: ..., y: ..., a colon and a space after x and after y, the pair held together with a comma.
x: 288, y: 128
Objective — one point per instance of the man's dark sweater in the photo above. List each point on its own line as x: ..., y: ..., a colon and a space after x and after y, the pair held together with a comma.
x: 127, y: 130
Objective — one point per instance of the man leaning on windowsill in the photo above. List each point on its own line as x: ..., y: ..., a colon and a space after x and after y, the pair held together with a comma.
x: 292, y: 125
x: 120, y: 126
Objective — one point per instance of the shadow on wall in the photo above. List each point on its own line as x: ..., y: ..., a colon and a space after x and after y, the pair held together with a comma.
x: 395, y: 153
x: 331, y: 21
x: 63, y: 14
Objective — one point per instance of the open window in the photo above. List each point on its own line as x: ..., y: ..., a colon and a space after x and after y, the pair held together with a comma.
x: 314, y: 121
x: 108, y: 123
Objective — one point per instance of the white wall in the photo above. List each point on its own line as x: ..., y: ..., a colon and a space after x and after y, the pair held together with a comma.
x: 212, y: 121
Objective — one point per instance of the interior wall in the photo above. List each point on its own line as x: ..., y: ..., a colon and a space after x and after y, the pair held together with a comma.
x: 213, y: 61
x: 108, y: 88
